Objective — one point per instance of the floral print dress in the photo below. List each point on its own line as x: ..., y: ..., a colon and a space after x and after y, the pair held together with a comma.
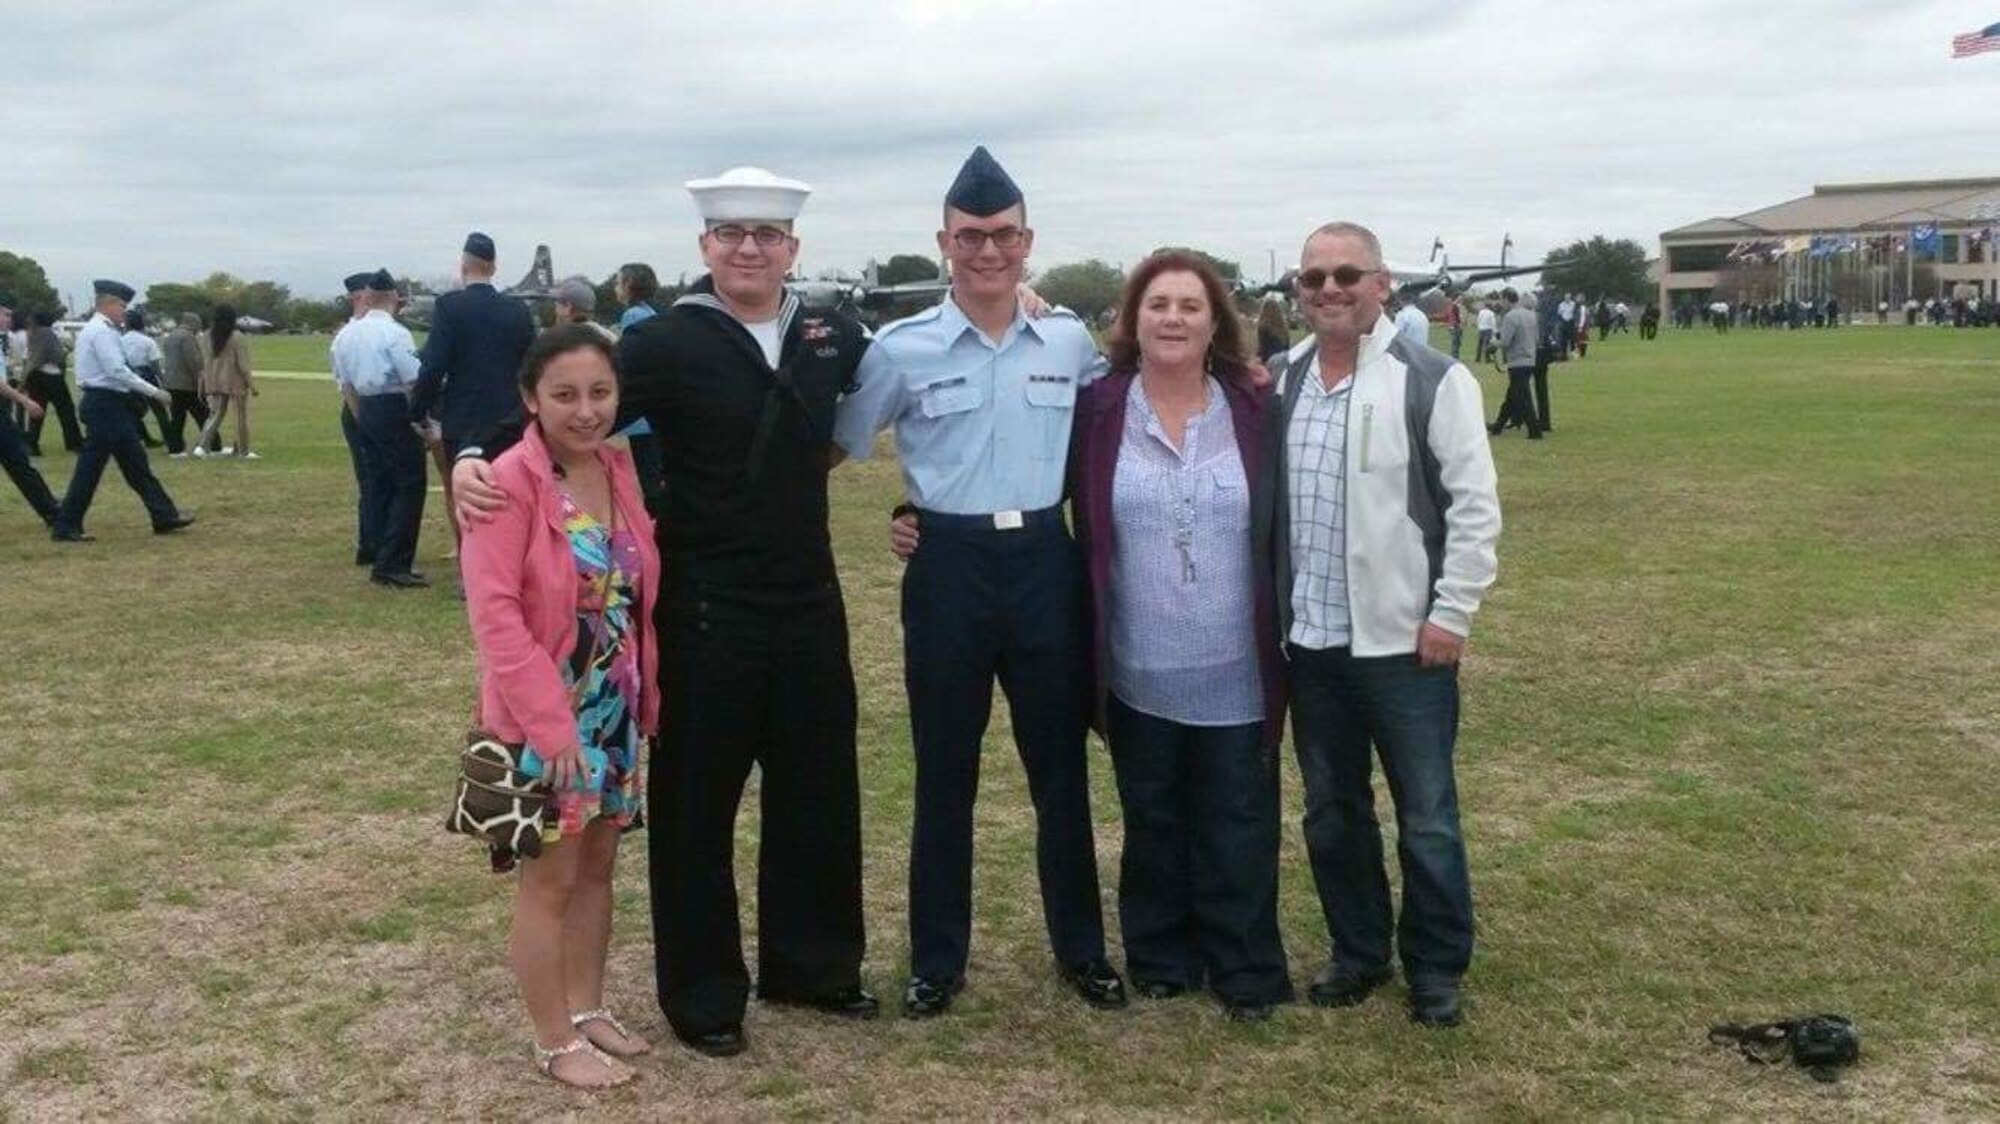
x: 602, y: 674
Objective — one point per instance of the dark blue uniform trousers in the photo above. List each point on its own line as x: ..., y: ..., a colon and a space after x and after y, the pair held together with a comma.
x: 979, y: 603
x: 1198, y: 883
x: 396, y: 459
x: 21, y: 470
x: 370, y: 510
x: 111, y: 433
x: 1342, y: 707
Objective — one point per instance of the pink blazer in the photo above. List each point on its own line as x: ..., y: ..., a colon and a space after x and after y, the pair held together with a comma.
x: 521, y: 590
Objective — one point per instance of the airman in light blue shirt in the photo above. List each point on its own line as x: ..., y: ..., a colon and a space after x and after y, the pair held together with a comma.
x: 982, y: 425
x: 373, y: 354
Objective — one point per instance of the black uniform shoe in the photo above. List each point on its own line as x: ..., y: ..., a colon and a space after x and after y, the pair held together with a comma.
x: 177, y: 523
x: 846, y: 1003
x: 363, y: 558
x: 1097, y: 983
x: 71, y: 536
x: 1159, y: 989
x: 1435, y: 1004
x: 1246, y: 1011
x: 401, y: 581
x: 1345, y: 987
x: 1495, y: 429
x: 925, y: 997
x: 726, y: 1043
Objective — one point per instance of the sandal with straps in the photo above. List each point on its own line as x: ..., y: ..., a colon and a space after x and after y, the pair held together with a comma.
x: 604, y: 1015
x: 545, y: 1061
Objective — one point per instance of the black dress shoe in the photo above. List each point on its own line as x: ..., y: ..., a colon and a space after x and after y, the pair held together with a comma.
x: 71, y: 536
x: 1247, y: 1010
x: 726, y: 1043
x: 1345, y: 987
x: 846, y: 1003
x: 363, y: 558
x: 1495, y: 429
x: 925, y: 997
x: 1159, y: 989
x: 1435, y: 1004
x: 401, y: 581
x: 1097, y: 983
x: 177, y: 523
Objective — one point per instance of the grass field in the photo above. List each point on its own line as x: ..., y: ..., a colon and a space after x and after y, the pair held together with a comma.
x: 1732, y: 718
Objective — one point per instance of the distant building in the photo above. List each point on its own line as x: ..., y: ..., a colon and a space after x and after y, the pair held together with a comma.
x: 1862, y: 242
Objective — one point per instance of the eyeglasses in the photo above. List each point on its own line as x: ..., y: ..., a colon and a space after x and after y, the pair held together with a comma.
x: 972, y: 241
x: 1345, y: 276
x: 732, y: 235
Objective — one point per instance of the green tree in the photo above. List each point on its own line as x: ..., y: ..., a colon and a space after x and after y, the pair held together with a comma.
x: 315, y: 314
x: 904, y: 268
x: 1599, y: 267
x: 171, y: 298
x: 1087, y: 288
x: 24, y: 287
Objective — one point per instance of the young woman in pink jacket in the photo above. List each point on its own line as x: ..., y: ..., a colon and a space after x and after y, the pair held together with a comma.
x: 560, y: 586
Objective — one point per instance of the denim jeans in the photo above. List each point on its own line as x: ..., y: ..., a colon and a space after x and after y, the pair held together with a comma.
x: 1342, y: 706
x: 1198, y: 883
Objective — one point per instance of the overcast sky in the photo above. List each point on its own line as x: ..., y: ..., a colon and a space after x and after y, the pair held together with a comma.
x: 302, y: 142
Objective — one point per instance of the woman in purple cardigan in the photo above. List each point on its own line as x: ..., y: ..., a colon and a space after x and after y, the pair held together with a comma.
x: 1189, y: 675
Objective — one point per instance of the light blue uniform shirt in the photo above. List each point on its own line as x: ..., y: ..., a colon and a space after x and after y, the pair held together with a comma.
x: 982, y: 425
x: 100, y: 360
x: 375, y: 355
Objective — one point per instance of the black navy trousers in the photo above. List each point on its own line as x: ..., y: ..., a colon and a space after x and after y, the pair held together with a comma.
x: 371, y: 510
x: 981, y: 603
x: 753, y: 678
x: 111, y: 433
x: 21, y: 470
x: 396, y: 455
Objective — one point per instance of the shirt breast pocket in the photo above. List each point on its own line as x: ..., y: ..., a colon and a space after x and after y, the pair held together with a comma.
x: 1384, y: 446
x: 1229, y: 498
x: 949, y: 405
x: 1051, y: 400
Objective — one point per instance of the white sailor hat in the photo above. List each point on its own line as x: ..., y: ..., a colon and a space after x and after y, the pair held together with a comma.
x: 748, y: 193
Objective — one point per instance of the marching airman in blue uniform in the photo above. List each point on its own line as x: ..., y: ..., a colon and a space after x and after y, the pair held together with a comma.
x: 981, y: 396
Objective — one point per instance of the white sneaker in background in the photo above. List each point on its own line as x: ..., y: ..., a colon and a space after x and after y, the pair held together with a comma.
x: 197, y: 452
x: 248, y: 456
x: 226, y: 451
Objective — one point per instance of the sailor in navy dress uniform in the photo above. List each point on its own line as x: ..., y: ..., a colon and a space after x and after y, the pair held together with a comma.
x: 996, y: 588
x: 110, y: 425
x: 739, y: 381
x: 368, y: 507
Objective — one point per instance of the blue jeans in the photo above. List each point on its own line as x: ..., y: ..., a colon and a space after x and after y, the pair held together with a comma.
x: 1341, y: 707
x: 1198, y: 884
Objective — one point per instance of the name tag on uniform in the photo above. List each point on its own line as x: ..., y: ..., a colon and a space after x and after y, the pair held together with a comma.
x: 1007, y: 521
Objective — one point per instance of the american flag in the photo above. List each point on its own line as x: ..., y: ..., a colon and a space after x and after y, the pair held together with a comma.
x: 1976, y: 42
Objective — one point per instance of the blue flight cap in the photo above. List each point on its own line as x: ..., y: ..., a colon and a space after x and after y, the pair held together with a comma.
x: 113, y: 289
x: 983, y: 187
x: 479, y: 246
x: 355, y: 282
x: 381, y: 281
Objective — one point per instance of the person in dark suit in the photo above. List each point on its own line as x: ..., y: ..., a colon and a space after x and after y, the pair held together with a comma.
x: 473, y: 355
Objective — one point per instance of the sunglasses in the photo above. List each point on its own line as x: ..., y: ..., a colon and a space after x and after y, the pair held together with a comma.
x: 1345, y: 276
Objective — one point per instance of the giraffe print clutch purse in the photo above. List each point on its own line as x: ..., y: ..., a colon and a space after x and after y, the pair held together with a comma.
x: 496, y: 802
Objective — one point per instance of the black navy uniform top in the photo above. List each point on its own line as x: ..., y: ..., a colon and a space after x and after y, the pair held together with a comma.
x: 738, y: 511
x: 744, y: 446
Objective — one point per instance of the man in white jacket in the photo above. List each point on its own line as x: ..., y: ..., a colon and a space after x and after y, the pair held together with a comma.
x: 1380, y: 530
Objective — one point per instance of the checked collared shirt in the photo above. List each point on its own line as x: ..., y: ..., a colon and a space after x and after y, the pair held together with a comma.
x: 1316, y: 456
